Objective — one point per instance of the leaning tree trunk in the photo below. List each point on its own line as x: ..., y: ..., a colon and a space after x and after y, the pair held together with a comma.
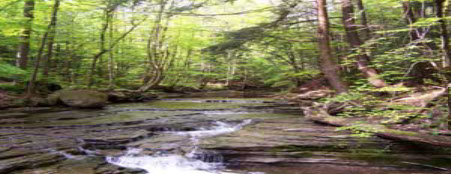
x: 31, y: 84
x: 24, y: 47
x: 155, y: 80
x: 51, y: 40
x: 329, y: 67
x: 355, y: 42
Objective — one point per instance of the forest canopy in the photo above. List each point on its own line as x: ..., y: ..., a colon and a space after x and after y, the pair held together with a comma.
x: 145, y: 44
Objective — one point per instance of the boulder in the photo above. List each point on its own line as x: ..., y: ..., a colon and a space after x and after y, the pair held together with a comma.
x: 79, y: 98
x: 38, y: 102
x: 54, y: 98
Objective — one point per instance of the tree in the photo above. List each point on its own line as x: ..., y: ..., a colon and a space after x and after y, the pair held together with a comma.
x: 108, y: 15
x: 51, y: 25
x: 329, y: 67
x: 353, y: 38
x: 157, y: 52
x: 24, y: 46
x: 444, y: 32
x: 364, y: 20
x: 441, y: 13
x: 111, y: 57
x: 410, y: 19
x: 50, y: 43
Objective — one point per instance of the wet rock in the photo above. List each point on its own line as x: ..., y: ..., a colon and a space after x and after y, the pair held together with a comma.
x: 115, y: 141
x: 111, y: 169
x: 34, y: 109
x: 78, y: 167
x: 79, y: 98
x: 52, y: 169
x: 297, y: 160
x: 164, y: 142
x: 54, y: 98
x: 130, y: 96
x: 28, y: 161
x: 4, y: 149
x: 12, y: 121
x: 13, y: 115
x: 288, y: 140
x: 38, y: 102
x: 83, y: 138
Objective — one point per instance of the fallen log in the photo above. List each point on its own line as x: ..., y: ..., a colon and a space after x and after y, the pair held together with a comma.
x: 320, y: 115
x: 421, y: 99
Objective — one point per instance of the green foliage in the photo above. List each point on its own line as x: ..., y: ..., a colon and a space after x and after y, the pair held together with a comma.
x: 265, y: 44
x: 360, y: 130
x: 11, y: 88
x: 12, y: 72
x: 396, y: 113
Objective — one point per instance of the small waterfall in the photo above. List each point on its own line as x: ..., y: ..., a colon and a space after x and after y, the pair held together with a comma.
x: 219, y: 129
x: 170, y: 164
x: 66, y: 155
x: 194, y: 162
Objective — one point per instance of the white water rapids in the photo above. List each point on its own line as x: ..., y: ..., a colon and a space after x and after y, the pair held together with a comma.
x: 178, y: 164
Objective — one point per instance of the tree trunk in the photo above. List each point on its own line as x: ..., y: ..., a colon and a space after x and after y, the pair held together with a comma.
x: 449, y: 107
x: 329, y: 67
x: 24, y: 47
x: 158, y: 58
x: 364, y: 20
x: 31, y: 84
x: 111, y: 58
x: 444, y: 32
x: 48, y: 57
x: 230, y: 57
x: 102, y: 49
x: 410, y: 19
x: 155, y: 80
x: 355, y: 43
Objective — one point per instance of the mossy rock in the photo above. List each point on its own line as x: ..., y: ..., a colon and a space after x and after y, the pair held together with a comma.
x: 79, y: 98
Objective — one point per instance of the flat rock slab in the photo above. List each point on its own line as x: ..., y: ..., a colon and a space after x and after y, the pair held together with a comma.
x: 34, y: 109
x: 29, y: 161
x: 119, y: 139
x: 13, y: 115
x: 164, y: 142
x: 280, y: 133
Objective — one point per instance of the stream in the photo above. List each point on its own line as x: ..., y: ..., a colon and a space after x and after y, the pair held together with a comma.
x: 214, y: 135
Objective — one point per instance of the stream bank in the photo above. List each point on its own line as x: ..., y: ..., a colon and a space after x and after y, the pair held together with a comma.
x: 200, y: 135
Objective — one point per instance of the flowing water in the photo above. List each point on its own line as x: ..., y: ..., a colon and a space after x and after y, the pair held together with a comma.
x: 198, y: 136
x: 177, y: 163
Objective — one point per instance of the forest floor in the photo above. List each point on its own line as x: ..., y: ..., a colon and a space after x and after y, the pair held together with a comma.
x: 418, y: 118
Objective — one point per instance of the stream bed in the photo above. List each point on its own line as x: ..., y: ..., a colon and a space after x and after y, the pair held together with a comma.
x: 198, y: 136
